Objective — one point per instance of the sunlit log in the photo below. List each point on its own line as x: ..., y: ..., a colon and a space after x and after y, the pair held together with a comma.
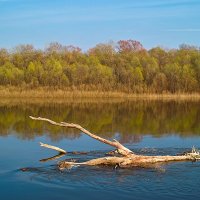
x: 126, y: 157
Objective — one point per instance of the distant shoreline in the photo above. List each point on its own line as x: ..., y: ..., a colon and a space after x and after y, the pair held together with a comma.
x: 50, y: 93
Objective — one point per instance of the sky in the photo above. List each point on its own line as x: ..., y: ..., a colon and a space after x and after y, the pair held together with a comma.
x: 85, y: 23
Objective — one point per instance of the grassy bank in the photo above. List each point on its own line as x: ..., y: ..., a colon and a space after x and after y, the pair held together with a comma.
x: 50, y: 93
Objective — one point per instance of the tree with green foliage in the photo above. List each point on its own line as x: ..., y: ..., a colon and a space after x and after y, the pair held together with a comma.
x: 125, y: 66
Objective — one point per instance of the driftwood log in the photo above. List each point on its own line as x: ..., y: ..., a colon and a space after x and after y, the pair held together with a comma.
x: 120, y: 157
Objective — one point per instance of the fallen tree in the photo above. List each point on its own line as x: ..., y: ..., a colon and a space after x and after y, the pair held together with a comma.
x: 120, y: 157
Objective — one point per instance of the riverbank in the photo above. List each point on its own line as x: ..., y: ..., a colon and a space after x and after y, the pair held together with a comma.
x: 49, y: 93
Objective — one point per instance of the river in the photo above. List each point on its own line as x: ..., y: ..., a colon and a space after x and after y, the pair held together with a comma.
x: 156, y: 127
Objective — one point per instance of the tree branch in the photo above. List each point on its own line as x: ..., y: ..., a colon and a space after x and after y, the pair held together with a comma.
x: 53, y: 147
x: 121, y: 149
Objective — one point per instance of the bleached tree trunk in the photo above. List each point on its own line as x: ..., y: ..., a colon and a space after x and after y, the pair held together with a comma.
x: 125, y: 158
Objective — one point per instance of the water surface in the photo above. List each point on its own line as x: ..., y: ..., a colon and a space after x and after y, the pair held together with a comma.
x: 146, y: 127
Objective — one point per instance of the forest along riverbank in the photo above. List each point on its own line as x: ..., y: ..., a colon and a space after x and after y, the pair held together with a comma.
x: 126, y: 66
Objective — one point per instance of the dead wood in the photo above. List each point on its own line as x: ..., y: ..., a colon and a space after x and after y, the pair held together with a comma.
x: 126, y: 157
x: 53, y: 147
x: 129, y: 161
x: 121, y: 149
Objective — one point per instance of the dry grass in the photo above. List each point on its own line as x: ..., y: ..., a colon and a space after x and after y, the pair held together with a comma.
x: 66, y: 94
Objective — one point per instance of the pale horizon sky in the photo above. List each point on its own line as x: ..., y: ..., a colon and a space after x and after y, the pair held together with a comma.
x: 85, y: 23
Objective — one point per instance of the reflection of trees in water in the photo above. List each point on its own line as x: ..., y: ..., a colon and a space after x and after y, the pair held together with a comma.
x: 130, y: 119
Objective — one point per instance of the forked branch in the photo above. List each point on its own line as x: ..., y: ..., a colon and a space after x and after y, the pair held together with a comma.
x: 120, y: 148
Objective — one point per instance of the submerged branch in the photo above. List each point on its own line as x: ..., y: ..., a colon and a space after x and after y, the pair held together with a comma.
x: 60, y: 155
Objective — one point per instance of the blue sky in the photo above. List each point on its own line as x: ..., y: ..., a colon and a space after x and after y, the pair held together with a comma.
x: 84, y: 23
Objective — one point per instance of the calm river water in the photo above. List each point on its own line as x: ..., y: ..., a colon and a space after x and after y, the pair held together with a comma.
x: 146, y: 127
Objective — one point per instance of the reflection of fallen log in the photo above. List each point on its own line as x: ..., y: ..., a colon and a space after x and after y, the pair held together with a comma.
x: 53, y: 157
x: 60, y: 155
x: 125, y: 157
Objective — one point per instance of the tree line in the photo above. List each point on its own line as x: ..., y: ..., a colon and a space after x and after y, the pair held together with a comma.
x: 123, y: 66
